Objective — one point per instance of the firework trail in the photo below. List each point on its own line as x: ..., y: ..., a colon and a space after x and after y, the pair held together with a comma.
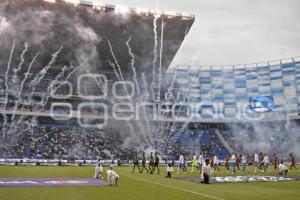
x: 173, y: 81
x: 39, y: 77
x: 156, y: 17
x: 46, y: 97
x: 132, y: 65
x: 22, y: 85
x: 160, y: 55
x: 114, y: 69
x: 16, y: 70
x: 115, y: 59
x: 6, y: 83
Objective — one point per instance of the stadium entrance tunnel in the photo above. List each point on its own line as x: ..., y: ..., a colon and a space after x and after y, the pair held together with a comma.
x: 50, y: 182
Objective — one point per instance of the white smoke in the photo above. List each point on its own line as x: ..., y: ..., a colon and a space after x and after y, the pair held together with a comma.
x: 268, y: 137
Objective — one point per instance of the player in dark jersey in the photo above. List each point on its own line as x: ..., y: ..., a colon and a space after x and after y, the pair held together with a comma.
x: 184, y: 164
x: 275, y: 161
x: 151, y: 163
x: 156, y: 163
x: 261, y: 161
x: 226, y: 163
x: 293, y: 162
x: 238, y: 161
x: 135, y: 163
x: 144, y: 161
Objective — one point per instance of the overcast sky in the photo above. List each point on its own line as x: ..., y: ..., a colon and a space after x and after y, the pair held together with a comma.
x: 233, y: 31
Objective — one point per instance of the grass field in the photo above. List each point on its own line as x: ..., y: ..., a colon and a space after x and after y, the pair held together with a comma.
x: 141, y: 186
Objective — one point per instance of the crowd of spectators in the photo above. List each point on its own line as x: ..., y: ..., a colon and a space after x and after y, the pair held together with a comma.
x: 74, y: 143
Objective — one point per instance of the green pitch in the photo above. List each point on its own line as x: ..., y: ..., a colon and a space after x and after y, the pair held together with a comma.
x: 142, y: 186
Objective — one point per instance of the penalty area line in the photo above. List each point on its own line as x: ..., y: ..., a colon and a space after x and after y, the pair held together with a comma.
x: 174, y: 187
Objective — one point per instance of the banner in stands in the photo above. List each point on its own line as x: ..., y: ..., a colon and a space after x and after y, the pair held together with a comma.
x: 261, y: 103
x: 44, y: 161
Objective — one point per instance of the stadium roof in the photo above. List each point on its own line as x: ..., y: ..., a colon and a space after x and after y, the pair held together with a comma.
x: 269, y: 63
x: 105, y: 36
x: 96, y: 4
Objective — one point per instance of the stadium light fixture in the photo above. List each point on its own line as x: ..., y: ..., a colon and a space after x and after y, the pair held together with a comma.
x: 99, y: 8
x: 50, y: 1
x: 75, y: 2
x: 121, y: 9
x: 138, y: 11
x: 141, y: 11
x: 185, y: 16
x: 170, y: 14
x: 98, y: 5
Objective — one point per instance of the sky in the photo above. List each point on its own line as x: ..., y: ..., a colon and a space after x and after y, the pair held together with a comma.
x: 229, y: 32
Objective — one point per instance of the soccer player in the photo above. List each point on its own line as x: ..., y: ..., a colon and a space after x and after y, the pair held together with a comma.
x: 283, y: 170
x: 216, y: 163
x: 151, y: 163
x: 226, y: 163
x: 180, y: 163
x: 293, y: 162
x: 275, y: 161
x: 238, y: 161
x: 156, y: 163
x: 211, y: 162
x: 244, y: 163
x: 169, y: 171
x: 98, y: 171
x: 256, y: 161
x: 194, y: 162
x: 200, y: 162
x: 135, y: 163
x: 233, y: 162
x: 184, y: 164
x: 261, y: 161
x: 144, y: 161
x: 266, y: 162
x: 206, y: 169
x: 112, y: 177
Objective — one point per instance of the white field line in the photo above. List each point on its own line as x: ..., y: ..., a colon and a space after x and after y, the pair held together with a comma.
x: 174, y: 187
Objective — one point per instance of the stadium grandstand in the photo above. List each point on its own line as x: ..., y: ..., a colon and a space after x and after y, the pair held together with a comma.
x: 54, y: 112
x: 93, y: 104
x: 271, y: 87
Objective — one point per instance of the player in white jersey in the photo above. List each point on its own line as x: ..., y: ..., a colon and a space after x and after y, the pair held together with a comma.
x: 283, y: 170
x: 169, y: 171
x: 266, y: 162
x: 216, y: 163
x: 256, y: 161
x: 180, y: 163
x: 98, y: 171
x: 112, y: 177
x: 206, y: 171
x: 244, y: 163
x: 200, y: 162
x: 233, y: 162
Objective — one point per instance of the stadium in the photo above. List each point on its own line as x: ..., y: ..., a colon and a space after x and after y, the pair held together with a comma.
x: 92, y: 108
